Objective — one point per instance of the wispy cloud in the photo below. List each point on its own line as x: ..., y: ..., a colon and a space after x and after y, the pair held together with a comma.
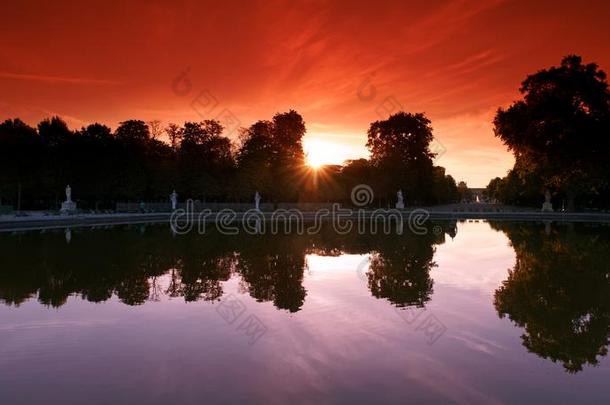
x: 58, y: 79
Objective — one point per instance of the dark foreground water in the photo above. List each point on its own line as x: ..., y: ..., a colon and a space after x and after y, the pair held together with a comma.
x: 497, y: 313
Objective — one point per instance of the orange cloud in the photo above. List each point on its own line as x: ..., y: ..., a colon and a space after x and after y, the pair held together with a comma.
x: 457, y: 61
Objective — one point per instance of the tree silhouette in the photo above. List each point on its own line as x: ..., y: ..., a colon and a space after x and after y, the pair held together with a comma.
x: 135, y: 163
x: 400, y: 269
x: 445, y: 189
x: 254, y: 159
x: 559, y: 292
x: 195, y: 267
x: 288, y: 158
x: 204, y: 160
x: 21, y: 157
x: 401, y: 145
x: 558, y: 132
x: 272, y: 267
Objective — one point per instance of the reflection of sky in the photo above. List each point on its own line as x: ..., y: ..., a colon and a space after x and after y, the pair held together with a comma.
x: 343, y: 346
x: 477, y: 258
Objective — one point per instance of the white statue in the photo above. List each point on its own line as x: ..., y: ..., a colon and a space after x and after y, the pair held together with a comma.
x: 547, y: 206
x: 400, y: 204
x: 174, y: 199
x: 257, y: 201
x: 68, y: 206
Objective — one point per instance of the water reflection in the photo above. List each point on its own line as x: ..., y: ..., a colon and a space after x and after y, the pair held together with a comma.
x: 129, y: 263
x: 400, y: 270
x: 559, y: 291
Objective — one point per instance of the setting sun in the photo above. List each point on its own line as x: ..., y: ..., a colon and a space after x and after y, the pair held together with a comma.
x: 319, y: 152
x: 390, y: 202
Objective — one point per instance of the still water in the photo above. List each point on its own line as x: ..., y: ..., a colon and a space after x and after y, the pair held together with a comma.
x: 472, y: 312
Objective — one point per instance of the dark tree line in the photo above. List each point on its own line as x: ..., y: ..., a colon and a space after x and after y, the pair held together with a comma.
x: 133, y: 163
x: 146, y: 263
x: 559, y: 134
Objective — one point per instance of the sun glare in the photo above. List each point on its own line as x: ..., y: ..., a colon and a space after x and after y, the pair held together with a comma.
x: 315, y: 160
x: 320, y: 153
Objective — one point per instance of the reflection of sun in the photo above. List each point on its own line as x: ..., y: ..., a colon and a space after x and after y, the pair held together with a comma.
x: 320, y: 153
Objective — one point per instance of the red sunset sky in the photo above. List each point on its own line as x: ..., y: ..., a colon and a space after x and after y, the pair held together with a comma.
x: 334, y: 62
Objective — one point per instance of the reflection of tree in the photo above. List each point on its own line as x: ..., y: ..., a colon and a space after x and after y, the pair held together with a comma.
x: 98, y: 264
x: 201, y: 277
x: 173, y: 290
x: 400, y: 265
x: 559, y: 291
x: 133, y: 290
x: 272, y: 269
x: 122, y: 262
x: 138, y: 267
x: 400, y: 269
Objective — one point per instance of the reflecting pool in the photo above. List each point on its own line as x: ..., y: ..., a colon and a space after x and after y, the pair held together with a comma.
x: 469, y: 312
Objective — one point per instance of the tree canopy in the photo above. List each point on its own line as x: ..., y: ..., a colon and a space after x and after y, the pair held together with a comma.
x: 401, y: 159
x: 559, y: 131
x: 141, y: 161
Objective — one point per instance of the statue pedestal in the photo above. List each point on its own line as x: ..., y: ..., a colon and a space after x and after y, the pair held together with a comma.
x: 400, y: 206
x: 68, y: 207
x: 547, y: 207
